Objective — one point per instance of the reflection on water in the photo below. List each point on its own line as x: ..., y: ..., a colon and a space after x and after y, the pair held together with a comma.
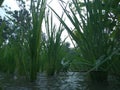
x: 69, y: 81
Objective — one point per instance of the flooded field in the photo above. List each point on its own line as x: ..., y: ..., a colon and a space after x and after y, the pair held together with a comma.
x: 69, y: 81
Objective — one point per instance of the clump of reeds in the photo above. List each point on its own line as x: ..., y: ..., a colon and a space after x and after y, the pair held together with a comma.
x: 91, y: 33
x: 53, y: 52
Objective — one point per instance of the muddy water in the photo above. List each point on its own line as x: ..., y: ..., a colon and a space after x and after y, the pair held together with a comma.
x: 69, y: 81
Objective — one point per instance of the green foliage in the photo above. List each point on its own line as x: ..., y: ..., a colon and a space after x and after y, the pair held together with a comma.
x: 92, y: 36
x: 2, y: 25
x: 53, y: 52
x: 24, y: 50
x: 38, y: 12
x: 23, y: 33
x: 1, y: 1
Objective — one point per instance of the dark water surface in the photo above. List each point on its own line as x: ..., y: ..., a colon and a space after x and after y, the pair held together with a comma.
x: 69, y: 81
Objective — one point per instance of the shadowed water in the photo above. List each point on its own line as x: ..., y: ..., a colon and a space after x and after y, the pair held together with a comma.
x: 69, y: 81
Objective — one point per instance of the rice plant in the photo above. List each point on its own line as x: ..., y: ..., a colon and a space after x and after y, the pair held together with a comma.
x: 29, y: 37
x: 38, y: 11
x: 2, y: 25
x: 53, y: 53
x: 25, y: 37
x: 91, y: 33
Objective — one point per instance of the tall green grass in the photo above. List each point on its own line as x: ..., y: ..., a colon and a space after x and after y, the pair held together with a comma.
x: 38, y: 12
x: 91, y: 34
x: 53, y: 52
x: 24, y: 47
x: 2, y: 25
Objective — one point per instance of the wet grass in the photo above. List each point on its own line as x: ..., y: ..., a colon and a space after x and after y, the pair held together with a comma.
x: 97, y: 47
x: 53, y: 51
x: 92, y: 34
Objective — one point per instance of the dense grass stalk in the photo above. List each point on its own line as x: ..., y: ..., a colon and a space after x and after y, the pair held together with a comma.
x: 24, y: 38
x: 2, y: 25
x: 53, y: 51
x: 91, y: 34
x: 38, y: 11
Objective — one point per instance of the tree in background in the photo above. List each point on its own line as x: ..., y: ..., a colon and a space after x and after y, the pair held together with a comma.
x: 1, y: 1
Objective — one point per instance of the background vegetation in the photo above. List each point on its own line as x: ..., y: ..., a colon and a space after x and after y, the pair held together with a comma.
x: 25, y: 50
